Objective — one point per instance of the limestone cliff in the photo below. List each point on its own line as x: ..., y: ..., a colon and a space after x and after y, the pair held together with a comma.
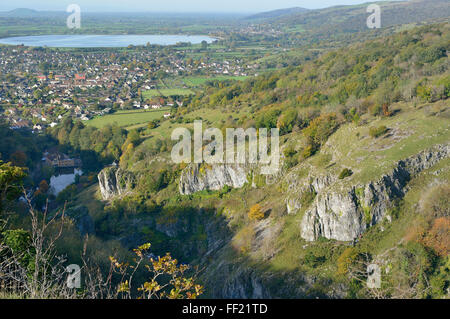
x: 196, y: 177
x: 114, y: 181
x: 345, y: 214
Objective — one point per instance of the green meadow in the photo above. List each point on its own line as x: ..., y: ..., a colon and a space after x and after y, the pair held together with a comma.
x: 128, y: 117
x: 166, y: 92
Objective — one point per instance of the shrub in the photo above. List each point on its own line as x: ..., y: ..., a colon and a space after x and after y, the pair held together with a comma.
x: 321, y: 128
x: 286, y: 121
x: 310, y: 149
x: 376, y: 110
x: 256, y: 212
x: 289, y: 151
x: 312, y: 260
x: 438, y: 237
x: 346, y: 172
x: 376, y: 132
x: 291, y: 162
x: 345, y: 260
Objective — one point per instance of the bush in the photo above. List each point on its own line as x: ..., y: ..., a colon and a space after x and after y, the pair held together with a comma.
x: 345, y: 260
x: 376, y: 132
x: 312, y: 260
x: 321, y: 128
x: 256, y: 212
x: 310, y: 149
x: 291, y: 162
x: 438, y: 237
x: 346, y: 172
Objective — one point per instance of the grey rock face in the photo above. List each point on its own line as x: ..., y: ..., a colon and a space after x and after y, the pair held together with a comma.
x: 194, y: 178
x: 238, y: 282
x: 345, y: 215
x: 114, y: 181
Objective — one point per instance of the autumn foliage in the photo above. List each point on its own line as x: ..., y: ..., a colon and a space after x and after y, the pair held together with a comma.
x: 167, y: 278
x: 256, y: 212
x: 438, y: 237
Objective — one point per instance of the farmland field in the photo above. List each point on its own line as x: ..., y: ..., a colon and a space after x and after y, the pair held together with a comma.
x: 166, y: 92
x: 194, y: 81
x: 128, y: 117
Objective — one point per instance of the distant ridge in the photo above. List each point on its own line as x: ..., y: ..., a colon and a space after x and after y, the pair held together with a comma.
x: 21, y: 12
x: 277, y: 13
x: 28, y: 13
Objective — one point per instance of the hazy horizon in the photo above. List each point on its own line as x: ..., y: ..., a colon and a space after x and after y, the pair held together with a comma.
x: 181, y: 6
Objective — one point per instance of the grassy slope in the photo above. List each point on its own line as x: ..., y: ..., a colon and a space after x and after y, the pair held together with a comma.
x: 410, y: 131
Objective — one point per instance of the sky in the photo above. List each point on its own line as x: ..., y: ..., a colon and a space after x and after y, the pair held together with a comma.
x: 173, y: 5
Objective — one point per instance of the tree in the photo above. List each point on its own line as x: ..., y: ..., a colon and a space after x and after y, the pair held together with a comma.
x: 321, y: 128
x: 168, y: 279
x: 19, y: 158
x: 134, y: 137
x: 10, y: 182
x: 43, y: 186
x: 287, y: 120
x: 29, y: 260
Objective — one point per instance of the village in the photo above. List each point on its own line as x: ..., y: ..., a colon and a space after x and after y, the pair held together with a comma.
x: 41, y: 86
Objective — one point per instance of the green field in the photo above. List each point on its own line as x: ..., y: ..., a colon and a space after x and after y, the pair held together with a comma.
x: 166, y: 92
x: 194, y: 81
x: 128, y: 117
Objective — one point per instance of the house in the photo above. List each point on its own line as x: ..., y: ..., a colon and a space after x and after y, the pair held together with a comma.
x: 80, y: 77
x: 20, y: 124
x: 106, y: 110
x: 60, y: 160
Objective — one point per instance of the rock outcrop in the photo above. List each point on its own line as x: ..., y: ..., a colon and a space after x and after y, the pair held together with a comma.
x: 196, y: 177
x: 346, y: 214
x: 114, y: 181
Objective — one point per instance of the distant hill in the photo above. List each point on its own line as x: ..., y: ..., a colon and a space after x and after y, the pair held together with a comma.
x: 20, y: 12
x: 340, y: 25
x: 277, y: 13
x: 353, y: 18
x: 28, y: 13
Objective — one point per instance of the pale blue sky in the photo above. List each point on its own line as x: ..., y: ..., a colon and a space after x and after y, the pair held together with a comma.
x: 174, y: 5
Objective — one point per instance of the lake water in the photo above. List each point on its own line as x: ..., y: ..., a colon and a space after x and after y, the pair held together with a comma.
x: 102, y: 41
x: 59, y: 182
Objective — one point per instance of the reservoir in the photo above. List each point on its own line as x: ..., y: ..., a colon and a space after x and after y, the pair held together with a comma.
x: 61, y: 181
x: 102, y: 41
